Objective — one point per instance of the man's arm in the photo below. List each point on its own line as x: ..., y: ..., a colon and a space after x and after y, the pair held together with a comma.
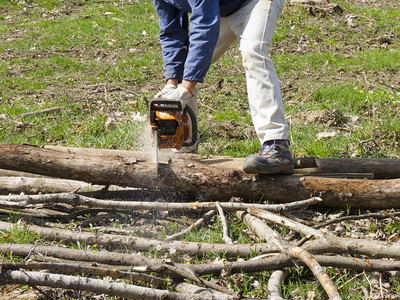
x: 204, y: 33
x: 187, y: 56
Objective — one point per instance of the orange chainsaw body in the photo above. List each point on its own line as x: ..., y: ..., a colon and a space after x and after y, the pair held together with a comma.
x: 168, y: 123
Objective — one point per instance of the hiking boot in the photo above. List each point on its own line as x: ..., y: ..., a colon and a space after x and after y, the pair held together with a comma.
x: 274, y: 158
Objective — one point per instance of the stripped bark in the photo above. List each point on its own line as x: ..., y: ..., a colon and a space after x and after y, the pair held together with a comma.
x: 201, y: 181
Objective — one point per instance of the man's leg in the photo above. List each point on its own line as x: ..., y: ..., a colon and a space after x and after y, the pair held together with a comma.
x: 226, y: 38
x: 255, y: 24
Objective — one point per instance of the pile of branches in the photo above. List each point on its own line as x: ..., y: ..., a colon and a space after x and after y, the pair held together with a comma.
x: 133, y: 275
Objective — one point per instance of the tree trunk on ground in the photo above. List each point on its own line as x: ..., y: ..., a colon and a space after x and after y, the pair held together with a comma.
x: 197, y: 180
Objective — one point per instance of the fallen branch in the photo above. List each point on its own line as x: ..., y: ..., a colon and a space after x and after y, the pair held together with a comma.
x: 318, y: 271
x: 139, y: 244
x: 72, y: 269
x: 41, y: 112
x: 275, y: 283
x: 265, y: 232
x: 144, y: 264
x: 204, y: 292
x: 379, y: 215
x: 92, y: 285
x: 196, y: 224
x: 293, y: 225
x: 225, y: 235
x: 22, y: 201
x: 29, y: 185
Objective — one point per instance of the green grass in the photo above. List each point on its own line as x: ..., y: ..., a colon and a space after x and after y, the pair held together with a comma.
x: 102, y: 61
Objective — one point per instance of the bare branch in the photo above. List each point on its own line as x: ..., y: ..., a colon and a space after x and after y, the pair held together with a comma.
x: 41, y: 112
x: 318, y: 271
x: 149, y: 264
x: 140, y: 244
x: 225, y: 235
x: 379, y: 215
x: 75, y: 199
x: 293, y: 225
x: 275, y: 283
x: 93, y: 285
x: 71, y: 269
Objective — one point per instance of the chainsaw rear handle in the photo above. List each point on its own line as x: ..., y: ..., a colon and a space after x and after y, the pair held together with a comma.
x: 193, y: 119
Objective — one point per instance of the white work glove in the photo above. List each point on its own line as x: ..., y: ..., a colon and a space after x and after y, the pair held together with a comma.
x: 186, y: 97
x: 167, y: 88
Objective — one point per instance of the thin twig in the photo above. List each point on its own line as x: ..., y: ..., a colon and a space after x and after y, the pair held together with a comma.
x: 197, y: 224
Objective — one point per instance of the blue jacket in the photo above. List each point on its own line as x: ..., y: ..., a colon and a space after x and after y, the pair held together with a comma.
x: 189, y: 56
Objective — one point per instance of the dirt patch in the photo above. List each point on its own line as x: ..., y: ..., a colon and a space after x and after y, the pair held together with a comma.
x: 329, y: 117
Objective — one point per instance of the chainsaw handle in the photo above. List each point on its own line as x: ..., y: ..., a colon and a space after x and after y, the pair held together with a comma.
x: 193, y: 119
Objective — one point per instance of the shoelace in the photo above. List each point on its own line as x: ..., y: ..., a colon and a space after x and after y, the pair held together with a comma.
x: 268, y: 147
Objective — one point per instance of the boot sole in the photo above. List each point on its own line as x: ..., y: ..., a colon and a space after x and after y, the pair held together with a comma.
x: 252, y: 167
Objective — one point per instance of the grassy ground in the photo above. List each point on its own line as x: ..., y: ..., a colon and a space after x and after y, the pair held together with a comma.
x: 100, y: 62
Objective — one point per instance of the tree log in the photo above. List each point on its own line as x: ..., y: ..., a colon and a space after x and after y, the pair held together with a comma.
x: 381, y: 168
x: 198, y: 180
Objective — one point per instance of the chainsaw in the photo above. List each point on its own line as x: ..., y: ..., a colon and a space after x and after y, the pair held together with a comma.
x: 171, y: 125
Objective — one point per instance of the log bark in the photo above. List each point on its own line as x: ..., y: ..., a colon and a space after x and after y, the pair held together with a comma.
x: 198, y: 180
